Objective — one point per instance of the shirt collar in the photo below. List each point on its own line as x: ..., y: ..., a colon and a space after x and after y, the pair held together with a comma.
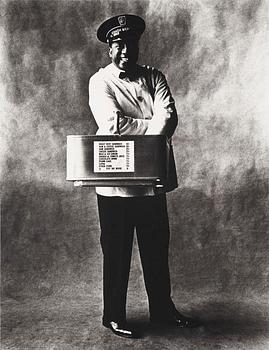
x: 115, y: 70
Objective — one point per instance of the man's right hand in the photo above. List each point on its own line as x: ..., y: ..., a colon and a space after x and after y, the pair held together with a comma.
x: 119, y: 122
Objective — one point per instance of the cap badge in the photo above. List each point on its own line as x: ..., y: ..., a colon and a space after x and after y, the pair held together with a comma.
x: 122, y: 20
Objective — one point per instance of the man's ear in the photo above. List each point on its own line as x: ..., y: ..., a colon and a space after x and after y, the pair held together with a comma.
x: 110, y: 51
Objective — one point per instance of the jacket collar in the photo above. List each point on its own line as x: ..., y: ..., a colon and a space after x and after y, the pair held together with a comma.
x: 120, y: 73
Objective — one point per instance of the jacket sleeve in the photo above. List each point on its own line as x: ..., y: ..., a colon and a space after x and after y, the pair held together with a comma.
x: 104, y: 107
x: 165, y: 119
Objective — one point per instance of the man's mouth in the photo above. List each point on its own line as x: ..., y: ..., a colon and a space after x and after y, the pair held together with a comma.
x: 124, y: 59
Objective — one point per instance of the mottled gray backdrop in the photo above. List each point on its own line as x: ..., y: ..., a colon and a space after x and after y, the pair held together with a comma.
x: 215, y: 54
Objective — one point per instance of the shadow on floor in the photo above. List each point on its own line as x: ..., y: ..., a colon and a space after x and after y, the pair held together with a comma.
x: 250, y: 320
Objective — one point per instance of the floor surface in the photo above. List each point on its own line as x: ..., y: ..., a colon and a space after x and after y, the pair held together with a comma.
x: 74, y: 323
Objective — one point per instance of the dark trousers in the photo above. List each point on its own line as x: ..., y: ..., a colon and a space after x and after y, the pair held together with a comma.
x: 118, y: 218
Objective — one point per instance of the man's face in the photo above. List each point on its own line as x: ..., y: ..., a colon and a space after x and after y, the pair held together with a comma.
x: 124, y: 53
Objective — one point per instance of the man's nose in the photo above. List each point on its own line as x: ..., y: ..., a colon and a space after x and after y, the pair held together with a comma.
x: 124, y: 48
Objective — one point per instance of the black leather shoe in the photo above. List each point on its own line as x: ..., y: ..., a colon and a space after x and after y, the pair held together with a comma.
x: 178, y: 320
x: 121, y: 329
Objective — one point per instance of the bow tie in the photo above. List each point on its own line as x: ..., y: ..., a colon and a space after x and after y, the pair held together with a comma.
x: 129, y: 75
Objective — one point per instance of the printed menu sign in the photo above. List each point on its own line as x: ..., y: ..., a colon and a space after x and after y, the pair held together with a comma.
x: 113, y: 156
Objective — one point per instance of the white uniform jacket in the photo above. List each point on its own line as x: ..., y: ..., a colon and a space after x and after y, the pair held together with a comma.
x: 148, y: 108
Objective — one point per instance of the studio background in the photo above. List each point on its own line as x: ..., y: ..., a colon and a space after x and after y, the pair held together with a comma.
x: 215, y: 55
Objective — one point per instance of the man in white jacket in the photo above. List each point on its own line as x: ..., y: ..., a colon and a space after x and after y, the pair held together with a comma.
x: 141, y: 97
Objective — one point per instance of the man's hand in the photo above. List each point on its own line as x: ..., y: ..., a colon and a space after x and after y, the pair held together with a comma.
x: 119, y: 121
